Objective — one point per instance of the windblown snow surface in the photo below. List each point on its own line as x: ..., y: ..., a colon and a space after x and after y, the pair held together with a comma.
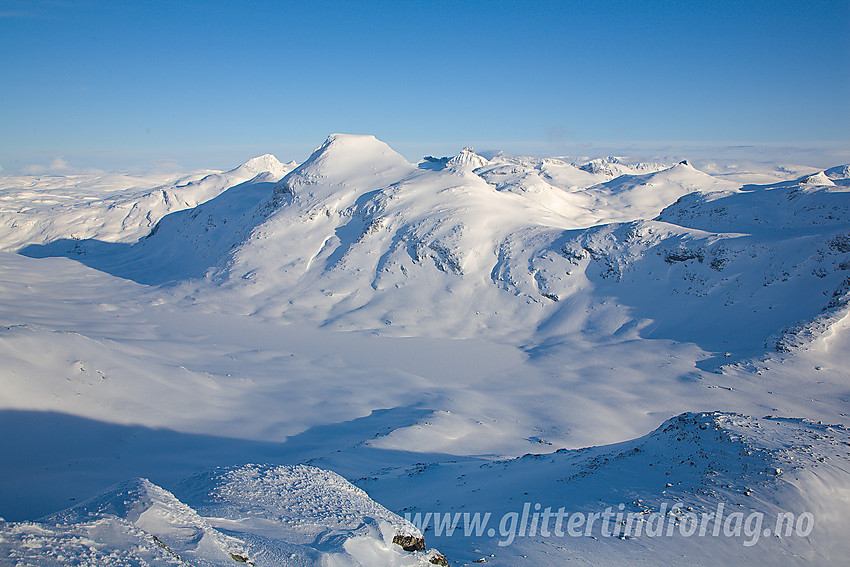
x: 319, y: 364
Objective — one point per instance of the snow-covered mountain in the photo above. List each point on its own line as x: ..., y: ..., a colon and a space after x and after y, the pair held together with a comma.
x: 492, y: 307
x: 109, y: 207
x: 356, y: 237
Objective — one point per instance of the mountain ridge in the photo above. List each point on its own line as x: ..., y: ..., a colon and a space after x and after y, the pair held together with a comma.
x: 348, y: 237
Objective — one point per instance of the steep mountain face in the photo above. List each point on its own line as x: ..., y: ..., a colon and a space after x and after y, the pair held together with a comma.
x: 526, y: 249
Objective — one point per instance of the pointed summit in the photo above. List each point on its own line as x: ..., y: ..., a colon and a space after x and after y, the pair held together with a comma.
x: 346, y: 159
x: 818, y: 179
x: 262, y: 164
x: 345, y: 151
x: 467, y: 160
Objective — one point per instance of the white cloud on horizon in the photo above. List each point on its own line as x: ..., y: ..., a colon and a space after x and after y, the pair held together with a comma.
x: 58, y: 163
x: 57, y: 166
x: 815, y: 155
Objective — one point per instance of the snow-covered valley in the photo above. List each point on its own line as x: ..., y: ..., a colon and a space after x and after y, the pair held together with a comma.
x: 467, y: 334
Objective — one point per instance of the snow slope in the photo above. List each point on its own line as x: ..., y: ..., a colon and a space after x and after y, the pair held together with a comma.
x: 263, y: 516
x: 691, y: 464
x: 702, y: 488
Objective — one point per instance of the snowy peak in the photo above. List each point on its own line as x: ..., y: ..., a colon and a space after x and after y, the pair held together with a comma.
x: 728, y: 456
x: 682, y: 167
x: 698, y: 462
x: 346, y: 159
x: 612, y: 167
x: 344, y: 152
x: 631, y: 197
x: 261, y: 164
x: 605, y: 166
x: 688, y: 179
x: 818, y: 179
x: 467, y: 160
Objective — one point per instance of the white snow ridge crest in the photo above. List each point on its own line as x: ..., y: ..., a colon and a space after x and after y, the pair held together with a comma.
x: 259, y: 515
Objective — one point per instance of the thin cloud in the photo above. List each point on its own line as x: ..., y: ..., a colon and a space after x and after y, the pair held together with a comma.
x: 58, y: 163
x: 57, y: 166
x: 34, y: 169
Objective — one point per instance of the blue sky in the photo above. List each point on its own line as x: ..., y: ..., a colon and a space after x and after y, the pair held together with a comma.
x: 214, y: 83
